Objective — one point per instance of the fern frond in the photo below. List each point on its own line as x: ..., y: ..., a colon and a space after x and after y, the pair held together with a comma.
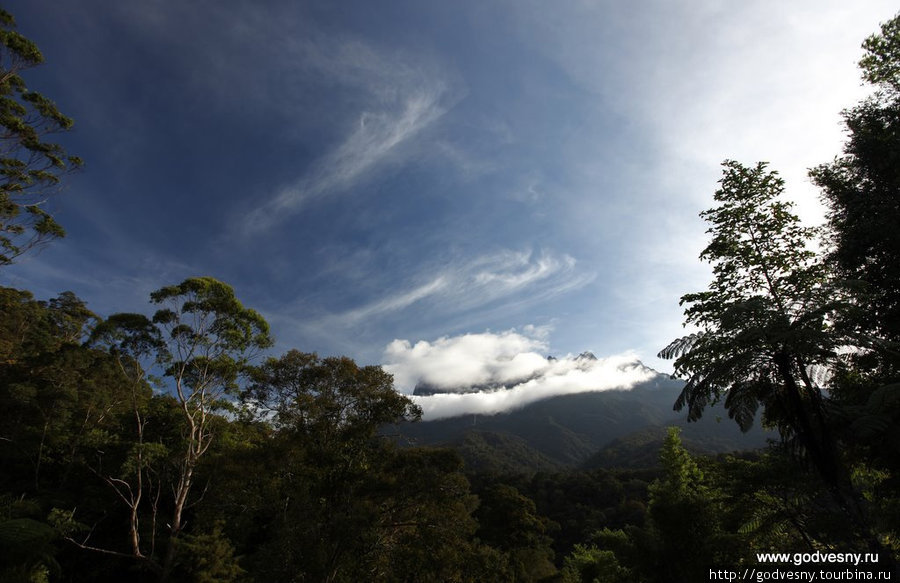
x: 742, y: 402
x: 679, y: 347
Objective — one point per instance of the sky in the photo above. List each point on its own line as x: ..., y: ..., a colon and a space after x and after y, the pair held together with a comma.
x: 429, y: 184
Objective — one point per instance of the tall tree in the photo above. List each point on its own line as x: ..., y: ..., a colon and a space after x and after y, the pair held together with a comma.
x: 684, y: 516
x: 510, y: 522
x: 50, y: 387
x: 336, y: 519
x: 61, y: 402
x: 862, y: 191
x: 203, y: 339
x: 134, y: 343
x: 210, y: 340
x: 764, y: 323
x: 30, y: 166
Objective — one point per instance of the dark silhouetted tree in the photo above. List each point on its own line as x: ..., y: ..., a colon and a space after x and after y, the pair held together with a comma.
x: 30, y: 166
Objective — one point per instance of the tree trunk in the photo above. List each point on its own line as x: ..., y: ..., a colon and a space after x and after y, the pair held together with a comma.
x: 822, y: 448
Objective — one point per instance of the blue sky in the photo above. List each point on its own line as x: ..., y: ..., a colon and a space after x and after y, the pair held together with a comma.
x: 527, y: 174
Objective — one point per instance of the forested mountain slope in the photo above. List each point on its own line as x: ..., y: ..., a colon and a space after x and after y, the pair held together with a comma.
x: 602, y: 428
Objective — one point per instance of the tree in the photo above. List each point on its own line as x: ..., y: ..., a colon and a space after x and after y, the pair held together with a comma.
x: 30, y: 166
x: 588, y: 564
x: 764, y: 320
x: 53, y: 392
x: 764, y: 324
x: 684, y: 516
x: 344, y: 502
x: 862, y: 191
x: 134, y: 342
x: 210, y: 340
x: 331, y: 401
x: 203, y: 339
x: 509, y: 521
x: 338, y: 518
x: 61, y: 404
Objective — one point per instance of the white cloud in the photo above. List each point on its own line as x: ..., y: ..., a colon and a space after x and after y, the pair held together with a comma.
x: 394, y: 303
x: 376, y: 137
x: 478, y: 282
x: 519, y: 270
x: 513, y: 359
x: 396, y: 96
x: 466, y: 360
x: 491, y: 277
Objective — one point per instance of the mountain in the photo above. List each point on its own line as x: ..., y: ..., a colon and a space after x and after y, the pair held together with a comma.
x: 612, y: 428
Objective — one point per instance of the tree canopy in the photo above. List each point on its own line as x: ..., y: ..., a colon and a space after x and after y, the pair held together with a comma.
x: 155, y: 447
x: 862, y: 189
x: 30, y: 166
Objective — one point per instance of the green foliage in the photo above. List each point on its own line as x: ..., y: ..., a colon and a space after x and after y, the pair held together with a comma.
x: 351, y: 506
x: 328, y: 399
x: 683, y: 477
x: 425, y: 521
x: 210, y: 337
x: 774, y: 503
x: 58, y: 397
x: 209, y: 558
x: 509, y: 521
x: 686, y: 530
x: 27, y: 551
x: 30, y: 166
x: 766, y: 303
x: 585, y: 503
x: 206, y: 342
x: 881, y: 64
x: 588, y: 564
x: 304, y: 483
x: 765, y: 321
x: 860, y: 189
x: 685, y: 515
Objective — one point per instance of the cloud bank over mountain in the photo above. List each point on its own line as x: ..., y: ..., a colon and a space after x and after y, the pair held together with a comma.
x: 512, y: 364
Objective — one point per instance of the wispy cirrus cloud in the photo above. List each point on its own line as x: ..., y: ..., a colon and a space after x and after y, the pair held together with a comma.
x: 477, y: 283
x: 511, y: 271
x: 395, y: 98
x: 508, y: 275
x: 377, y: 136
x: 395, y: 302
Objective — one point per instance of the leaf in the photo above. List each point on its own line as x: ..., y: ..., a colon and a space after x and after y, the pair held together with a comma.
x: 742, y: 402
x: 679, y: 347
x: 21, y: 532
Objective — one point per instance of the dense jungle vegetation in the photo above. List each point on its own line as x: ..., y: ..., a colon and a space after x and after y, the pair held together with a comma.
x: 165, y: 446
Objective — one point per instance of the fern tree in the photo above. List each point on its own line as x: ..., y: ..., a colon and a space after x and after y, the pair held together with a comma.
x: 764, y: 323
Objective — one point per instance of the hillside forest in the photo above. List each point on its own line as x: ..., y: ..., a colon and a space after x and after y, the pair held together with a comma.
x: 171, y: 445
